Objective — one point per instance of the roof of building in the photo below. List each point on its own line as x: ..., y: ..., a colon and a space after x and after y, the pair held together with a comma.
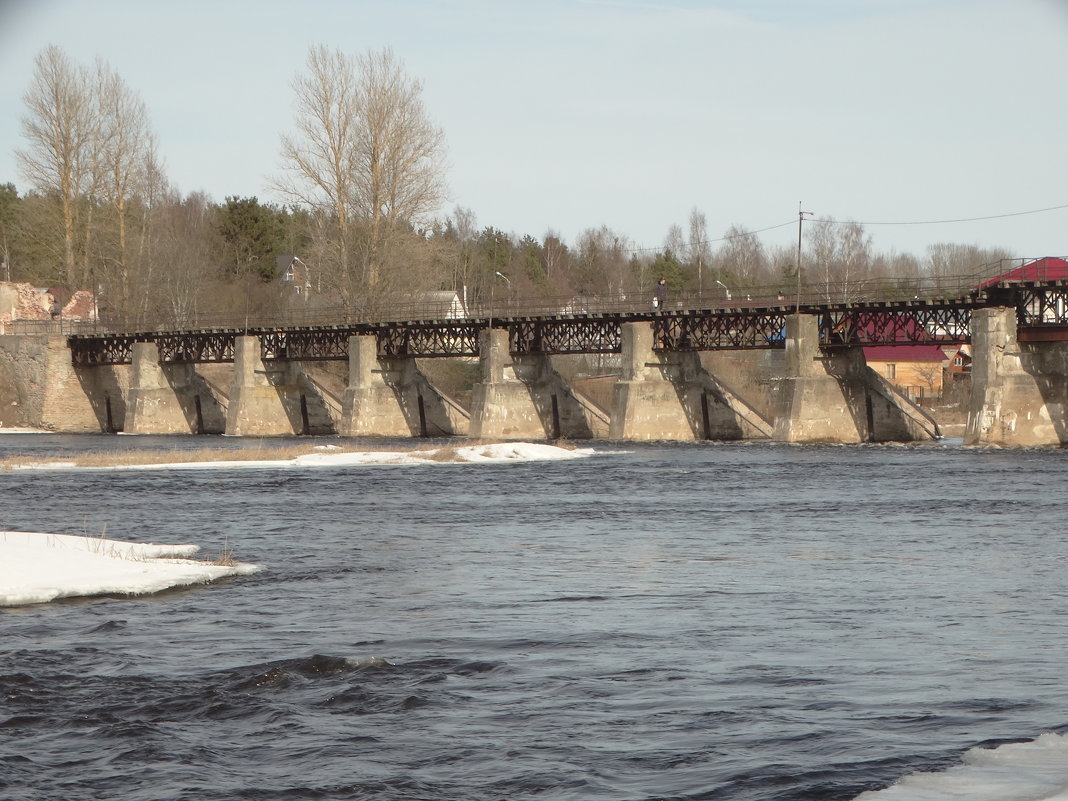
x: 904, y: 353
x: 1049, y: 268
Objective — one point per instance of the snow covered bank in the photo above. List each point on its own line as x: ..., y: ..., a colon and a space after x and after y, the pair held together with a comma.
x: 36, y: 568
x: 335, y: 456
x: 1033, y: 771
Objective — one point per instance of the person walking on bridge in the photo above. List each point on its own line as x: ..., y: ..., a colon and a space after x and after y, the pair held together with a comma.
x: 660, y: 298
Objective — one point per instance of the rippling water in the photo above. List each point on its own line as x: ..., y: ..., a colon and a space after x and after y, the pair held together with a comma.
x: 756, y: 622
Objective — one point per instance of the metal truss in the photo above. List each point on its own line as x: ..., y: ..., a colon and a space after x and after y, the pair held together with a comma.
x: 900, y: 324
x: 429, y: 339
x: 566, y: 335
x: 1042, y: 305
x: 734, y: 330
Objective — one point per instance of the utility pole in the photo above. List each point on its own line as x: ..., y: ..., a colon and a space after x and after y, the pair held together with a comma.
x: 800, y: 219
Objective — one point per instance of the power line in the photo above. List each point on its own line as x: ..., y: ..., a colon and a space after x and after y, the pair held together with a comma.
x: 859, y: 222
x: 943, y: 222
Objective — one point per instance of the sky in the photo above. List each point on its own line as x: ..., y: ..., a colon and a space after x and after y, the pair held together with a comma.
x: 566, y: 115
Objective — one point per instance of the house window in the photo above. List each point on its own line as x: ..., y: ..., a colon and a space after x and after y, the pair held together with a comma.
x: 959, y: 361
x: 891, y: 371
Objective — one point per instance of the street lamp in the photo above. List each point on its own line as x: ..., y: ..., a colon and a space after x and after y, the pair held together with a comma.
x: 800, y: 219
x: 725, y: 288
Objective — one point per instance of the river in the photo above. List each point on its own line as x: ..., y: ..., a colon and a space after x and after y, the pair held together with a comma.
x: 752, y: 622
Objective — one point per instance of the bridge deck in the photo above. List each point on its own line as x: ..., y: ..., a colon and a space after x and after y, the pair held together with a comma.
x: 1041, y: 306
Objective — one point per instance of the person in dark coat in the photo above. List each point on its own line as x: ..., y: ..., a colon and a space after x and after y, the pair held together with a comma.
x: 661, y: 293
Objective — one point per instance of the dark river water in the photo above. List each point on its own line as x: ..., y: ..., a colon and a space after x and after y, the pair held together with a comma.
x: 745, y: 622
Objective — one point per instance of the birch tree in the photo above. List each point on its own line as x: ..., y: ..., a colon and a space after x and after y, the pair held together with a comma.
x: 60, y: 127
x: 365, y: 156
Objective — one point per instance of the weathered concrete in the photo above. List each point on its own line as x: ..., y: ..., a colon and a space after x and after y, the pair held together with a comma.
x: 836, y: 398
x: 391, y: 397
x: 673, y: 397
x: 272, y: 400
x: 1019, y: 390
x: 50, y: 394
x: 171, y: 399
x: 525, y: 398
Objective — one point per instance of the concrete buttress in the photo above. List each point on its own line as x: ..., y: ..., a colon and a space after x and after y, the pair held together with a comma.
x: 523, y: 397
x: 836, y: 397
x: 1019, y: 390
x: 265, y: 399
x: 169, y: 399
x: 392, y: 398
x: 672, y: 397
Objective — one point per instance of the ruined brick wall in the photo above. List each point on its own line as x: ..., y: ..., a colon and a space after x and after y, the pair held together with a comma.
x: 27, y: 302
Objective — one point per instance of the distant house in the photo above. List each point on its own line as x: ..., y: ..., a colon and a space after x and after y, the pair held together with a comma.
x: 294, y: 274
x: 443, y: 305
x: 960, y: 361
x: 914, y: 369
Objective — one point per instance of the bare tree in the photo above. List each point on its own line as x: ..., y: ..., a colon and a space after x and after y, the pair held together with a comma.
x: 128, y: 166
x: 855, y: 253
x: 60, y: 126
x: 365, y: 155
x: 698, y: 252
x: 742, y: 255
x: 822, y: 251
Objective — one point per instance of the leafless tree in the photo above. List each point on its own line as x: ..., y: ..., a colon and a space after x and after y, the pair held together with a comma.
x: 742, y: 256
x: 129, y: 170
x: 602, y: 264
x: 699, y: 253
x: 365, y: 155
x: 60, y: 126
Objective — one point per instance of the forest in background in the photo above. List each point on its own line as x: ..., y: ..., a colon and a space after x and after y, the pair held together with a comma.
x: 364, y: 188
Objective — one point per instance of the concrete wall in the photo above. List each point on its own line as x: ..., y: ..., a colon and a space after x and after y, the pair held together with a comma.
x: 392, y: 398
x: 672, y: 397
x: 170, y: 399
x: 50, y: 394
x: 523, y: 397
x: 836, y: 397
x: 1019, y: 390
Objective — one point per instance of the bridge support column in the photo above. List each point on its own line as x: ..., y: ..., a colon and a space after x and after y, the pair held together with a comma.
x: 168, y: 399
x: 265, y: 400
x: 1019, y: 391
x: 646, y: 405
x: 836, y: 397
x: 502, y: 406
x: 392, y: 398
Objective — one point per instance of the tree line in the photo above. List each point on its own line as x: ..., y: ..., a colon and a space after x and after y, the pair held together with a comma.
x: 363, y: 183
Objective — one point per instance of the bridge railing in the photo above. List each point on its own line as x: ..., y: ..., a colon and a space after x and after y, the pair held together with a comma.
x: 715, y: 297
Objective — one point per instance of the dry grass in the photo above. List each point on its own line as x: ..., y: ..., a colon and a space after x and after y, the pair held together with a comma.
x: 124, y: 458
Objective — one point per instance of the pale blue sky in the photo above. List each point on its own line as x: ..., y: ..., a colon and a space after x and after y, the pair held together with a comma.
x: 570, y: 114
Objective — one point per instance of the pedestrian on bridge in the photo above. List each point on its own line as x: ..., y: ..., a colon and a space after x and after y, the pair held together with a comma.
x: 660, y: 298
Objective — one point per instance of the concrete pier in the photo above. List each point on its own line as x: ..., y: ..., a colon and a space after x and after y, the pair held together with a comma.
x: 836, y: 397
x: 265, y: 399
x: 672, y: 397
x: 392, y: 398
x: 1019, y: 390
x: 169, y: 399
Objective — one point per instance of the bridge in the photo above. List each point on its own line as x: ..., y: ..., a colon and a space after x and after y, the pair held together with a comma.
x: 821, y: 389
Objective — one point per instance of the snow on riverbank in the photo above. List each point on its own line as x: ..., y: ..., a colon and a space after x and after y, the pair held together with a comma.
x: 334, y: 456
x: 37, y: 567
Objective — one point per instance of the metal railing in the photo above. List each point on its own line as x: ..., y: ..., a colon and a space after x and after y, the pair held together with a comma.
x: 778, y: 296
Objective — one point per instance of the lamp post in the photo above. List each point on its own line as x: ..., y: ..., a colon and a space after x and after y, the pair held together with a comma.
x: 800, y: 219
x: 725, y: 288
x: 508, y: 281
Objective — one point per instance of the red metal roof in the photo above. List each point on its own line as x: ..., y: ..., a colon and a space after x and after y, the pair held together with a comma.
x: 905, y: 353
x: 1050, y: 268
